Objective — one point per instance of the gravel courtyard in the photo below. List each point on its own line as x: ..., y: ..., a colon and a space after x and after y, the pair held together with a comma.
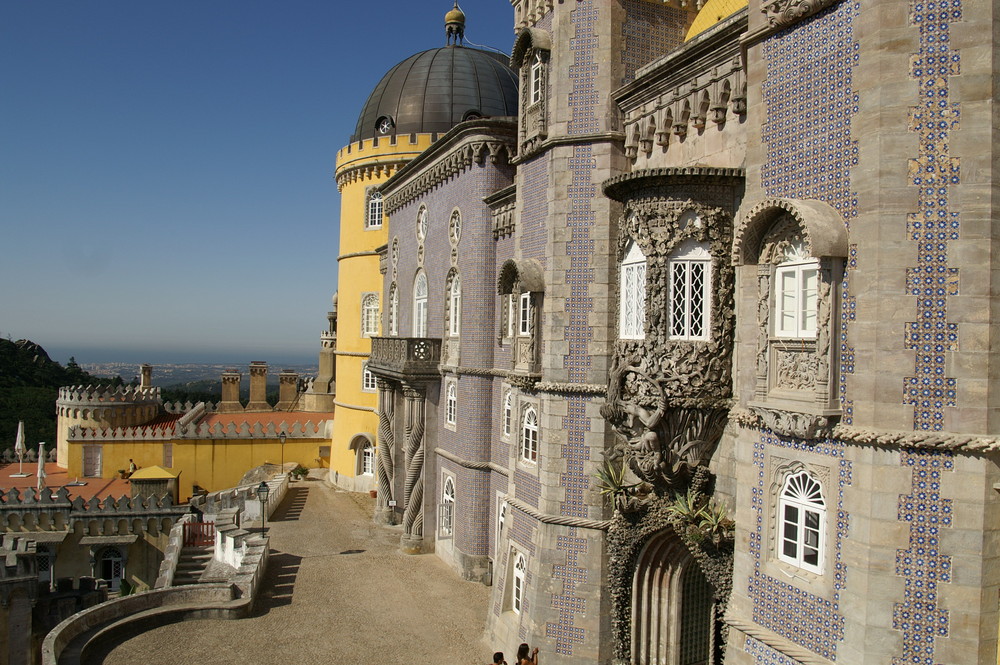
x: 337, y: 590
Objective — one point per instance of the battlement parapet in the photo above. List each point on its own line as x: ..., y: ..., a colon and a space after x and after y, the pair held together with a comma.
x: 8, y: 456
x: 106, y: 395
x: 30, y: 512
x: 307, y: 430
x: 47, y: 498
x: 80, y: 434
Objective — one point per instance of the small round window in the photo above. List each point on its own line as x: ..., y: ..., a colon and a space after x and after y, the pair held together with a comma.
x: 384, y: 125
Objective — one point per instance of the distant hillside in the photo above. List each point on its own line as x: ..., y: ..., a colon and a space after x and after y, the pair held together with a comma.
x: 29, y: 386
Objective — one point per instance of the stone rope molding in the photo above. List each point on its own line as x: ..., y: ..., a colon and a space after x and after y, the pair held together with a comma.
x: 541, y: 386
x: 469, y: 464
x: 888, y: 438
x: 354, y: 407
x: 558, y: 520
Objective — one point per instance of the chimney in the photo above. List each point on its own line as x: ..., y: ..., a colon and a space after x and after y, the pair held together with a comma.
x: 288, y: 389
x: 258, y: 387
x: 145, y: 376
x: 230, y: 392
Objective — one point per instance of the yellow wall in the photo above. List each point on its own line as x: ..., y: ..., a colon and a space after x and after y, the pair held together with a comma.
x: 359, y: 167
x: 213, y: 464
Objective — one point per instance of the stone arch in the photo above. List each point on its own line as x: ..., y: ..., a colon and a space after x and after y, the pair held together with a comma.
x: 358, y: 443
x: 821, y: 226
x: 672, y: 604
x: 529, y: 39
x: 528, y: 273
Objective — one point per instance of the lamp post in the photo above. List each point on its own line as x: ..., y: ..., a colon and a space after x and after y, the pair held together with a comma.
x: 262, y: 492
x: 281, y: 438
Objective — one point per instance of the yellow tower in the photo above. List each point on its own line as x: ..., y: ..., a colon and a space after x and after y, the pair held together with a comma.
x: 418, y: 100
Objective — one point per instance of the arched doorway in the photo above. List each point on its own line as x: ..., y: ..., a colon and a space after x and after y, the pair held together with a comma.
x: 673, y: 606
x: 111, y: 567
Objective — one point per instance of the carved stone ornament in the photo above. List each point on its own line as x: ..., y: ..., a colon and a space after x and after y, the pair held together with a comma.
x: 793, y: 423
x: 781, y: 13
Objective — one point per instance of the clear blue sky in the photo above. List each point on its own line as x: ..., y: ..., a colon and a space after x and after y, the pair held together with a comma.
x: 166, y: 166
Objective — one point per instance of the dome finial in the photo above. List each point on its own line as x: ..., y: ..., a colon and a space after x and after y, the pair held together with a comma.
x: 454, y: 25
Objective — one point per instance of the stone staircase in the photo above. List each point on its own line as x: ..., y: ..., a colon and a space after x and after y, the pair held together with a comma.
x: 192, y: 563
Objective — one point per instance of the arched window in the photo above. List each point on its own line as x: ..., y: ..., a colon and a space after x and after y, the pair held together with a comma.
x: 529, y: 435
x: 801, y: 522
x: 448, y: 506
x: 455, y: 306
x: 537, y: 78
x: 508, y: 411
x: 632, y: 313
x: 393, y: 310
x: 420, y: 305
x: 518, y: 582
x: 368, y: 383
x: 373, y: 212
x: 501, y: 520
x: 369, y: 315
x: 367, y: 460
x: 111, y: 567
x: 451, y: 409
x: 689, y: 298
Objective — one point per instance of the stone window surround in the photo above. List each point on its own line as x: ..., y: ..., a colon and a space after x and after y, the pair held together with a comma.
x: 781, y: 468
x: 796, y: 391
x: 528, y: 436
x: 368, y: 384
x: 518, y: 580
x: 632, y: 289
x: 446, y: 526
x: 419, y: 323
x: 507, y: 408
x: 530, y: 57
x: 520, y: 278
x: 687, y: 256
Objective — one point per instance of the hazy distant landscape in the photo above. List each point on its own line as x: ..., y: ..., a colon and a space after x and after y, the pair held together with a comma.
x: 173, y: 374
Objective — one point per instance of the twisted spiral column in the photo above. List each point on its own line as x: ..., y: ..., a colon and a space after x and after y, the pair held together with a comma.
x: 386, y: 443
x: 413, y: 487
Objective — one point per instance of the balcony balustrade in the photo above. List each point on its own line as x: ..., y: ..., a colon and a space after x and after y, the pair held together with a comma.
x: 405, y: 358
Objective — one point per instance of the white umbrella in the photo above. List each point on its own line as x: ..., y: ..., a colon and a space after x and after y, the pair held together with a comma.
x: 41, y: 466
x: 19, y: 449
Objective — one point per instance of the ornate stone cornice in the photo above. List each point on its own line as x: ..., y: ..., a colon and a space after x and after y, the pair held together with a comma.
x: 576, y: 139
x: 370, y: 170
x: 621, y: 187
x: 468, y: 142
x: 750, y: 419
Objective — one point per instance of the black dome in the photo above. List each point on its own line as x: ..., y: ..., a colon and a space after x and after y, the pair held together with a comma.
x: 435, y: 90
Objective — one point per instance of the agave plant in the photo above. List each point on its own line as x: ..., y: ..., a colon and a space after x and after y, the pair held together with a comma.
x: 612, y: 484
x: 686, y: 506
x: 715, y: 522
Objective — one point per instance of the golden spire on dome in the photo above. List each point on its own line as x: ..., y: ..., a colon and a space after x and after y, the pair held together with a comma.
x: 454, y: 25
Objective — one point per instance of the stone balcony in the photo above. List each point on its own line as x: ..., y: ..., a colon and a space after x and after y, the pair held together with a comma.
x: 405, y: 358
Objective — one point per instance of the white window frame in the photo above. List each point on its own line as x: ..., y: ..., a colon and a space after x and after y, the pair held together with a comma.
x: 501, y: 521
x: 369, y: 315
x: 112, y: 555
x: 367, y: 462
x: 518, y: 580
x: 451, y: 403
x: 796, y: 303
x: 801, y: 536
x: 368, y: 383
x: 528, y: 448
x: 373, y: 211
x: 536, y: 77
x: 632, y: 311
x: 508, y: 413
x: 447, y: 526
x: 686, y: 297
x: 455, y: 306
x: 524, y: 314
x: 420, y: 305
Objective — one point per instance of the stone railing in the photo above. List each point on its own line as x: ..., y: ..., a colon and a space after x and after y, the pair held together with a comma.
x: 405, y: 357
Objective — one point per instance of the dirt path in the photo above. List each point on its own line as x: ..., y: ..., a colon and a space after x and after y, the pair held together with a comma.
x: 337, y: 590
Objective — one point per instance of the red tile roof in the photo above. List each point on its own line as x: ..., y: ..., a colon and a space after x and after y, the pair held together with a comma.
x: 55, y: 477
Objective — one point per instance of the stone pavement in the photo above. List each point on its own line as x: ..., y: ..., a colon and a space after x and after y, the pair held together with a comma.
x: 337, y: 590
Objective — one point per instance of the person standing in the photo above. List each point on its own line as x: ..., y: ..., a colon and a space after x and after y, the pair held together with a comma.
x: 522, y: 655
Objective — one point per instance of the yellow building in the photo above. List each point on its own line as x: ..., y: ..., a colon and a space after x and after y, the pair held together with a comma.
x: 416, y: 101
x: 103, y: 431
